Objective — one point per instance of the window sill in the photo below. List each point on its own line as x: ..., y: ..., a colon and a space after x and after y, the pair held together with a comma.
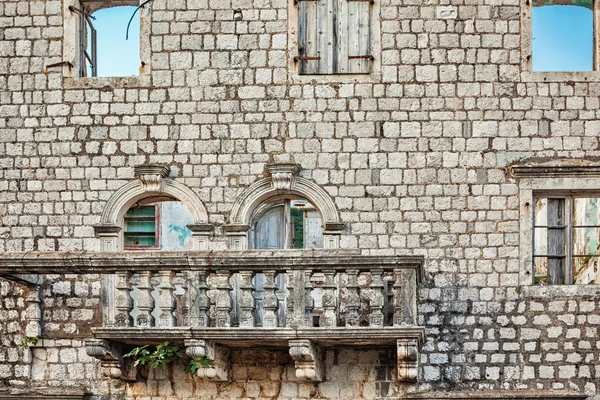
x: 110, y: 82
x: 560, y: 291
x: 373, y: 77
x: 586, y: 76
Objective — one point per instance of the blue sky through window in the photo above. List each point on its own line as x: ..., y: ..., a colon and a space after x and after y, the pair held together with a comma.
x: 117, y: 56
x: 563, y: 38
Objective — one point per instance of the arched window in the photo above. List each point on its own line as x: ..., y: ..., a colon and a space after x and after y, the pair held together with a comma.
x: 288, y: 223
x: 284, y: 211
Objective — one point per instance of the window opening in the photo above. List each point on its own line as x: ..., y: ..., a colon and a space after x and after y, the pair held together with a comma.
x: 566, y: 240
x: 334, y: 36
x: 158, y: 225
x: 563, y: 35
x: 288, y: 224
x: 141, y: 227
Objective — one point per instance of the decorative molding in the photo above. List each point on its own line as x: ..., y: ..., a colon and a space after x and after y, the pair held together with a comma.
x: 283, y: 176
x: 307, y: 357
x: 408, y: 360
x: 554, y: 171
x: 218, y: 355
x: 152, y: 176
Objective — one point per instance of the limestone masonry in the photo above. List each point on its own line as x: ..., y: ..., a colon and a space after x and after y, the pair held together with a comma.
x: 420, y: 224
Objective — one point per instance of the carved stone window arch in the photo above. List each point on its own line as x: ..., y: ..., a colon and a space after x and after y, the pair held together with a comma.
x: 152, y: 184
x: 283, y: 183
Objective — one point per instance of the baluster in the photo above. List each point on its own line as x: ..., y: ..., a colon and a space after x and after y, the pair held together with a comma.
x: 124, y: 301
x: 259, y: 297
x: 270, y: 300
x: 223, y: 300
x: 183, y: 280
x: 145, y: 301
x: 309, y: 302
x: 197, y: 299
x: 166, y: 300
x: 376, y: 317
x: 329, y: 300
x: 203, y: 301
x: 291, y: 321
x: 246, y: 300
x: 404, y: 297
x: 352, y: 299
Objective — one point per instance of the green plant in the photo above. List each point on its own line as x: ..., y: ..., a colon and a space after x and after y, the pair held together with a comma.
x: 196, y: 363
x: 29, y: 341
x: 162, y: 355
x: 518, y: 289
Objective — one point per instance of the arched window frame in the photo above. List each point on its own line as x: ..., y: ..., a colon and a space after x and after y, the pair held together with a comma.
x: 152, y: 182
x: 283, y: 181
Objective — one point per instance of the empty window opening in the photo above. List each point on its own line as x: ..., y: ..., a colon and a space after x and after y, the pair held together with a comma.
x: 566, y: 240
x: 563, y: 35
x: 115, y: 55
x: 287, y: 224
x: 157, y: 225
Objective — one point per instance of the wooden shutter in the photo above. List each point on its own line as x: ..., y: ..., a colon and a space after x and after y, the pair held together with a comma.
x: 316, y: 39
x: 313, y: 233
x: 556, y: 241
x: 354, y: 32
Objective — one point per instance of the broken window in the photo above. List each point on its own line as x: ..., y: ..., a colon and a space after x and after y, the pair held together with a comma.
x: 334, y: 36
x: 563, y: 35
x: 566, y: 240
x: 107, y: 41
x: 158, y: 225
x: 287, y: 224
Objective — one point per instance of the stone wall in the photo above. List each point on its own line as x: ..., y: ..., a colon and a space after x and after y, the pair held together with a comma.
x: 414, y: 157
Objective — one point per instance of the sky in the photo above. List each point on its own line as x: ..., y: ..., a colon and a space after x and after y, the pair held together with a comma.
x: 562, y: 40
x: 117, y: 56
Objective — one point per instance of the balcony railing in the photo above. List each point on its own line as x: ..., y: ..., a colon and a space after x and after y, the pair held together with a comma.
x: 211, y: 302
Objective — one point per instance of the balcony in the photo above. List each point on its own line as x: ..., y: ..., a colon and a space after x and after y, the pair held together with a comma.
x: 302, y: 301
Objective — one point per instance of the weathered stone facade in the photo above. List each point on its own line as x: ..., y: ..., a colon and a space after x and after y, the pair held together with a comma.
x: 416, y: 157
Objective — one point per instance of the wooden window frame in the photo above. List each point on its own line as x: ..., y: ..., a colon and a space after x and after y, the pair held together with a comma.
x: 568, y: 228
x: 156, y: 230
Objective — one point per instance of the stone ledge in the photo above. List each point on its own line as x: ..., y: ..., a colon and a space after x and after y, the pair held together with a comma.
x: 41, y: 393
x: 496, y: 394
x: 266, y: 337
x: 250, y: 260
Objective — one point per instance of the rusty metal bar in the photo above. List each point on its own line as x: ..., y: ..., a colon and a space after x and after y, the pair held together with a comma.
x: 365, y: 1
x: 361, y: 57
x: 82, y: 12
x: 297, y: 1
x: 60, y: 64
x: 306, y: 58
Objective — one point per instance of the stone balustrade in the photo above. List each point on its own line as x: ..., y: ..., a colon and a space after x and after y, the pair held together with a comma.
x: 212, y: 302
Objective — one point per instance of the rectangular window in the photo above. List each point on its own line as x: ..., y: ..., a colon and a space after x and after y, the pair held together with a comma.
x: 334, y: 37
x: 566, y: 240
x: 563, y: 35
x: 141, y: 227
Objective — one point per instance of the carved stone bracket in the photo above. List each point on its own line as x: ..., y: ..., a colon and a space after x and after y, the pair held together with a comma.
x: 151, y: 176
x: 111, y: 359
x: 408, y: 360
x: 218, y: 355
x: 283, y: 176
x: 307, y: 357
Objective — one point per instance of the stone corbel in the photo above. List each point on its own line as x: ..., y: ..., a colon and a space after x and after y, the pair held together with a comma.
x: 151, y: 176
x: 201, y: 234
x: 218, y: 355
x: 109, y: 236
x: 111, y: 359
x: 307, y: 357
x: 408, y: 360
x: 283, y: 176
